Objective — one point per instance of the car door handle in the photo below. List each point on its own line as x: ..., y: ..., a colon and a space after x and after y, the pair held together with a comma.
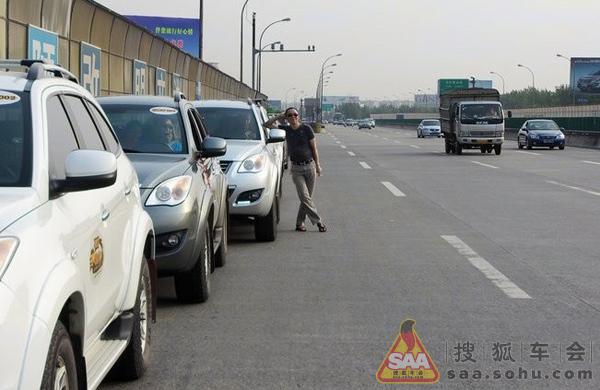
x: 105, y: 214
x: 127, y: 191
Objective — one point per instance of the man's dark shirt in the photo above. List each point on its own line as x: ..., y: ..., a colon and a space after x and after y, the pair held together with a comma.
x: 298, y: 142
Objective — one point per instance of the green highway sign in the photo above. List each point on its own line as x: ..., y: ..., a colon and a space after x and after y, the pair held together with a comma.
x: 444, y: 84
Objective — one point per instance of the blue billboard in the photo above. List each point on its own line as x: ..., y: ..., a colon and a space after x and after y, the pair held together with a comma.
x: 198, y: 90
x: 161, y: 82
x: 42, y: 44
x: 585, y: 75
x: 181, y: 32
x: 91, y: 65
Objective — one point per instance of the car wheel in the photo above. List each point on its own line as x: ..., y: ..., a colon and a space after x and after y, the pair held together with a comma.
x: 221, y: 255
x: 529, y: 144
x: 561, y: 147
x: 483, y: 149
x: 497, y: 149
x: 458, y: 148
x: 551, y: 147
x: 519, y: 144
x: 194, y: 285
x: 447, y: 146
x: 265, y: 228
x: 60, y: 371
x: 135, y: 360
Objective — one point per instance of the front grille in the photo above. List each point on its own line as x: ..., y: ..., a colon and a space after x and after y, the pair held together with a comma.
x: 225, y: 165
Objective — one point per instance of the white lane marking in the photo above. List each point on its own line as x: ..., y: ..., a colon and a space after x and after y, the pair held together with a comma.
x: 497, y: 277
x: 484, y: 165
x: 415, y: 146
x: 338, y: 142
x: 392, y: 188
x: 532, y: 153
x: 574, y: 188
x: 352, y: 154
x: 364, y: 165
x: 591, y: 162
x: 398, y: 142
x: 343, y: 146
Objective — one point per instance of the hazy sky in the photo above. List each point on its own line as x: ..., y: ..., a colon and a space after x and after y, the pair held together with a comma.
x: 392, y: 48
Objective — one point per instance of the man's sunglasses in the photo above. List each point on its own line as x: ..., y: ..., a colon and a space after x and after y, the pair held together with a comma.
x: 291, y: 115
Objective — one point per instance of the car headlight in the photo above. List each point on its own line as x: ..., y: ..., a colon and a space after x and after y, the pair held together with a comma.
x: 8, y: 247
x: 560, y: 136
x: 170, y: 192
x: 253, y: 164
x: 534, y: 136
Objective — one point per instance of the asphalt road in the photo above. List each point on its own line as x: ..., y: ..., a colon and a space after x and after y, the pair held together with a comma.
x: 494, y: 257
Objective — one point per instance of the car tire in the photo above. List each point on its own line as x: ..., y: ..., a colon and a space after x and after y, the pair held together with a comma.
x: 221, y: 255
x: 561, y: 147
x: 60, y: 370
x: 519, y: 144
x: 529, y: 144
x: 497, y: 149
x: 458, y: 148
x: 194, y: 285
x: 265, y: 228
x: 135, y: 360
x: 447, y: 146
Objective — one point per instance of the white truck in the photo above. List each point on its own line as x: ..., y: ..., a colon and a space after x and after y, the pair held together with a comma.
x: 472, y: 118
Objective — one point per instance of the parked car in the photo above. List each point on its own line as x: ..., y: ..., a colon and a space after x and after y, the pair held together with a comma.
x: 253, y: 164
x: 590, y: 82
x: 429, y: 128
x: 75, y: 242
x: 540, y: 132
x: 183, y: 187
x: 365, y: 124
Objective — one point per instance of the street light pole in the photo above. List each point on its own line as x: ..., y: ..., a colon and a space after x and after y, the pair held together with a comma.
x: 320, y: 90
x: 242, y: 42
x: 286, y: 95
x: 502, y: 78
x: 260, y: 46
x: 571, y: 78
x: 532, y: 75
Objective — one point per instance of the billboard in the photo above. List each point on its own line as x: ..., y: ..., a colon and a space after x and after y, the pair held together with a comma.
x: 181, y: 32
x: 91, y: 66
x: 42, y: 44
x: 140, y: 74
x: 585, y: 75
x: 444, y: 84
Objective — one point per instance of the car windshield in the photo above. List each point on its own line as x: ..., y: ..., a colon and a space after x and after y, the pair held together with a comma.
x: 15, y: 140
x: 431, y: 123
x: 543, y: 125
x: 147, y: 129
x: 477, y: 113
x: 230, y: 123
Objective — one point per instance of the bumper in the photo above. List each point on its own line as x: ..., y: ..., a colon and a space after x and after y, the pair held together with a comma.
x: 546, y: 142
x: 182, y: 221
x: 241, y: 185
x: 475, y: 142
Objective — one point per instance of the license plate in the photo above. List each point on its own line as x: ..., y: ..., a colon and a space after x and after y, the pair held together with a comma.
x: 482, y: 142
x: 548, y: 141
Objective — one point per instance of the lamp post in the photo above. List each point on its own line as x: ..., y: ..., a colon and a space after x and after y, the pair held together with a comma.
x: 242, y: 42
x: 260, y: 60
x: 501, y: 78
x: 532, y: 75
x: 260, y: 46
x: 571, y: 78
x: 320, y: 86
x: 286, y: 94
x: 296, y: 97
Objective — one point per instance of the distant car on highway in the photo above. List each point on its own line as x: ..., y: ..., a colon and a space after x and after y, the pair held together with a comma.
x: 429, y: 128
x: 365, y: 124
x: 540, y: 132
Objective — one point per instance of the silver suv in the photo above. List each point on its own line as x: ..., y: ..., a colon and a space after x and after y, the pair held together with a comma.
x: 182, y: 185
x: 254, y: 161
x: 75, y: 243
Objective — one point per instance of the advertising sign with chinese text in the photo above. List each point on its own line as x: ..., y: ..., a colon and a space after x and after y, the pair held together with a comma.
x: 181, y: 32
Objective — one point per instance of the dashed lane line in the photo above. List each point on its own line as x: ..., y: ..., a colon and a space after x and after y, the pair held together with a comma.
x: 351, y: 153
x: 497, y: 277
x: 574, y: 188
x: 364, y: 165
x: 395, y: 191
x: 484, y: 165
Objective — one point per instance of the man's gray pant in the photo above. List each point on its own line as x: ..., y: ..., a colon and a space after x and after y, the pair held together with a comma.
x: 304, y: 177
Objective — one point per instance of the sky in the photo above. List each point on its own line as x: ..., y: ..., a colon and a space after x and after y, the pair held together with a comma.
x: 391, y: 49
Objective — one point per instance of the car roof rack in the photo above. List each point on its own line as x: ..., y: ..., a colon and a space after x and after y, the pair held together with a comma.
x: 178, y: 96
x: 38, y: 69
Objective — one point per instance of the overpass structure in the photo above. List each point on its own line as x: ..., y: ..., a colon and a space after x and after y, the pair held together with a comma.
x: 109, y: 53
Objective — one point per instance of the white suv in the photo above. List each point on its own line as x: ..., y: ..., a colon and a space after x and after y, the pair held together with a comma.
x: 254, y: 162
x: 75, y: 243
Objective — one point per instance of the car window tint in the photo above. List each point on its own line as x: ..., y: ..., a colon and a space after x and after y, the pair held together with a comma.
x: 15, y: 141
x: 106, y: 133
x: 61, y: 138
x: 83, y: 124
x: 196, y: 134
x: 230, y: 123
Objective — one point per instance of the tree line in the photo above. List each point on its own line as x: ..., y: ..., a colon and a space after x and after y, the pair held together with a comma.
x: 524, y: 98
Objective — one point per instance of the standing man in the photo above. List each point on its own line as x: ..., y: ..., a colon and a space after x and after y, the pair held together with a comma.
x: 302, y: 149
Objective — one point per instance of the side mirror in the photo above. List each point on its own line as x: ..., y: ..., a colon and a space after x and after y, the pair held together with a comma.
x: 562, y: 129
x: 213, y: 147
x: 276, y: 135
x: 87, y: 169
x: 509, y: 113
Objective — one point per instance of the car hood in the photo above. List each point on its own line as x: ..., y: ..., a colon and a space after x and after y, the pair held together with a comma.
x: 546, y: 132
x: 239, y: 150
x: 15, y: 203
x: 152, y: 169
